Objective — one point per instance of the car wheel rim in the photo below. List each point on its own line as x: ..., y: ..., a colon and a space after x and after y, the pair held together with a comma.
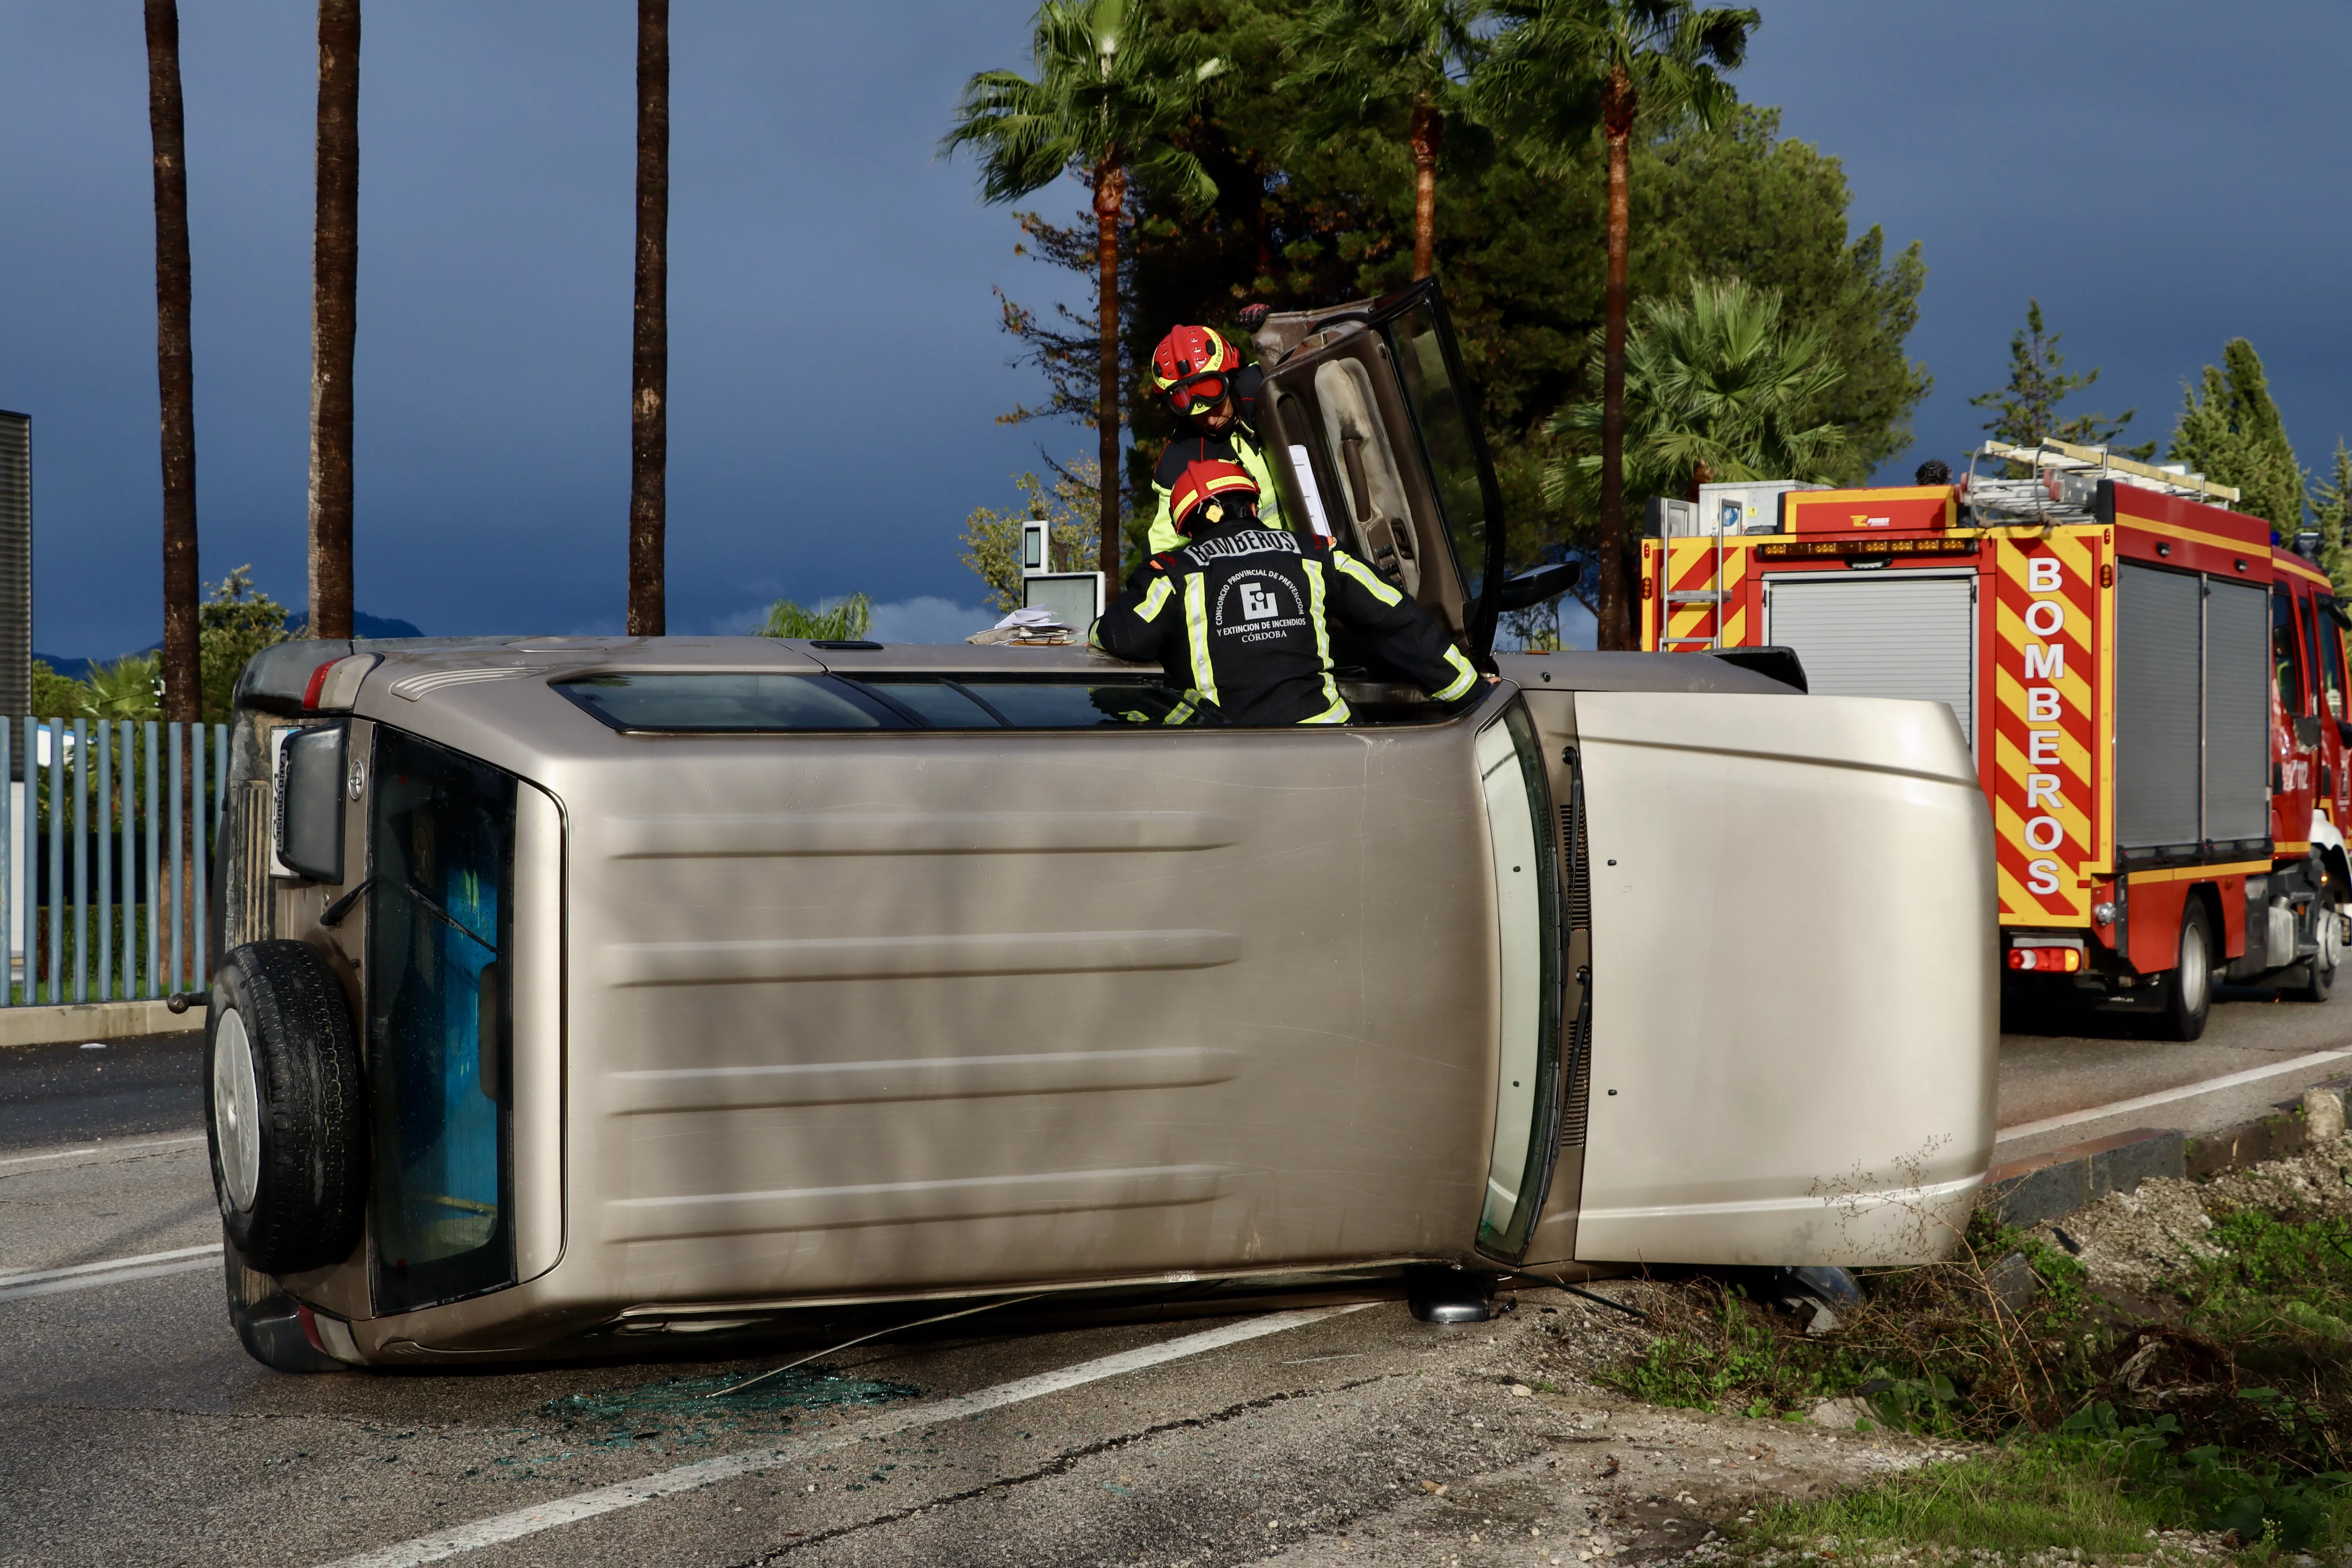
x: 236, y: 1112
x: 2195, y: 974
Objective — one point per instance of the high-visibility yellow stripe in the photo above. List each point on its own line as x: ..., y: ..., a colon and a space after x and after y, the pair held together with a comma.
x: 1155, y: 599
x: 1315, y: 617
x: 1371, y: 580
x: 1338, y: 713
x: 1462, y: 681
x: 1196, y: 636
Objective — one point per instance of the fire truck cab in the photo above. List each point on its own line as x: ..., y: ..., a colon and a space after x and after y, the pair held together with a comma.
x: 2153, y: 692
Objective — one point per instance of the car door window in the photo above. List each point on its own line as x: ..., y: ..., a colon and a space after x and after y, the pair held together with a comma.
x: 440, y: 888
x: 2286, y: 654
x: 2331, y: 648
x: 1447, y: 440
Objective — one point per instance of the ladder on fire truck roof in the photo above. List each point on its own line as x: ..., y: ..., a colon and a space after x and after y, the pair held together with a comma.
x: 2065, y: 482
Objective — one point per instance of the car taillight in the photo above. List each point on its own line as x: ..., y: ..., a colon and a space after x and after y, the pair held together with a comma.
x: 318, y: 679
x: 2046, y: 960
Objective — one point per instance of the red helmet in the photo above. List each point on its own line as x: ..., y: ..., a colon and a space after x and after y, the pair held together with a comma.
x: 1204, y: 479
x: 1194, y: 365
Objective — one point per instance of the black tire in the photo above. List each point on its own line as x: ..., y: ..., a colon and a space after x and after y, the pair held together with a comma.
x: 267, y: 1322
x: 283, y: 1110
x: 2319, y: 971
x: 2189, y: 989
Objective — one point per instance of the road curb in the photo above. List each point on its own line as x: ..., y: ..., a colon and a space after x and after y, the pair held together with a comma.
x: 93, y: 1021
x: 2053, y: 1184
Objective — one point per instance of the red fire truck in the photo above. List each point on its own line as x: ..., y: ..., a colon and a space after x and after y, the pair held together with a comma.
x: 2154, y: 693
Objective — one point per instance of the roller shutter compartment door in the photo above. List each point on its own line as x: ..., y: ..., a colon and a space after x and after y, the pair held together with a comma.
x: 2160, y: 656
x: 1886, y: 634
x: 2237, y: 712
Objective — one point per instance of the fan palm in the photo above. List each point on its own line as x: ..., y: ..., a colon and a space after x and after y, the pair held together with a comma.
x: 649, y: 353
x: 1716, y: 387
x: 174, y: 361
x: 1108, y: 97
x: 1391, y: 65
x: 1559, y: 67
x: 334, y: 317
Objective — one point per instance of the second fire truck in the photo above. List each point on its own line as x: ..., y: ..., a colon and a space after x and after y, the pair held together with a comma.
x: 2155, y: 695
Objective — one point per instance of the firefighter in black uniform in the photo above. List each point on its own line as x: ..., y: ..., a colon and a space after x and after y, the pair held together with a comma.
x: 1242, y: 612
x: 1202, y: 375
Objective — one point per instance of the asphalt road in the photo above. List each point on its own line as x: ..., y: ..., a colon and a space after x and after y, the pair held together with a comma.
x: 133, y: 1429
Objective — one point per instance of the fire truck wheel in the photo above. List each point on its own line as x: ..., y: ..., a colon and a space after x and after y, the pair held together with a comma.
x: 282, y: 1108
x: 2319, y: 972
x: 2189, y: 989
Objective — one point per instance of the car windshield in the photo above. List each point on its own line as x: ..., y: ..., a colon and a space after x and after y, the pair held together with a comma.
x: 800, y: 703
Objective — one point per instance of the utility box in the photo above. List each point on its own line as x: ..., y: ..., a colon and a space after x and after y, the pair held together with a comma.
x: 1075, y: 598
x: 1752, y: 506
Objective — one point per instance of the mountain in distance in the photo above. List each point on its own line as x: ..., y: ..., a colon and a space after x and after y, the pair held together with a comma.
x: 365, y: 625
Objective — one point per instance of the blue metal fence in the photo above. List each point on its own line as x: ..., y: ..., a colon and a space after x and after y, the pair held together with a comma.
x: 105, y: 849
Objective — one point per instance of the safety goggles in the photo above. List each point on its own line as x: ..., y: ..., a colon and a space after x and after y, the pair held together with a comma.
x: 1195, y: 393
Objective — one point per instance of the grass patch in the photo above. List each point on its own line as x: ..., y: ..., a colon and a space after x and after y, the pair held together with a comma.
x: 2020, y: 1500
x: 2228, y: 1408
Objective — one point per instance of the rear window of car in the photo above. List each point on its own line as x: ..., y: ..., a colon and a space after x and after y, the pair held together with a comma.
x: 758, y: 704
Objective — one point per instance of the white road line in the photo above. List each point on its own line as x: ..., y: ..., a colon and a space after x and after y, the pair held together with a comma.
x: 26, y: 1276
x: 92, y: 1281
x: 524, y: 1522
x: 102, y: 1149
x: 2185, y: 1091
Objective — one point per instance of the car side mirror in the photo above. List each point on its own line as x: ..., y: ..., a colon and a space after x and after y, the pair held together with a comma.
x: 1537, y: 585
x: 311, y: 803
x: 2306, y: 733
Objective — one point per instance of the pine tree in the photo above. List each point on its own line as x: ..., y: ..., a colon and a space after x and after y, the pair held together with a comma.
x: 2233, y: 433
x: 2331, y: 504
x: 2026, y: 411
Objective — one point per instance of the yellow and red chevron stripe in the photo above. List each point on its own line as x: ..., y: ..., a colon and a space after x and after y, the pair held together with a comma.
x: 1691, y: 570
x: 2045, y: 764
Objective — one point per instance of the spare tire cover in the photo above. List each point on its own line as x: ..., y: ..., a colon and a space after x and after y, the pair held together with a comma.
x: 283, y: 1108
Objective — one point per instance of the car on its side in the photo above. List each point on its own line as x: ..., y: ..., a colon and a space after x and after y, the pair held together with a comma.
x: 589, y: 993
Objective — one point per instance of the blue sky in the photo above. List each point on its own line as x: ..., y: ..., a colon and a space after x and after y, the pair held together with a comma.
x: 2161, y: 175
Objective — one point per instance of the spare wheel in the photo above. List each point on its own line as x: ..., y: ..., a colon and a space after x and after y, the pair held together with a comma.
x: 283, y: 1108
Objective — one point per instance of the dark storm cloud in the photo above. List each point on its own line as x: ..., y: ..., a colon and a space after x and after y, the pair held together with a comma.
x: 2161, y: 173
x: 2164, y: 175
x: 835, y: 367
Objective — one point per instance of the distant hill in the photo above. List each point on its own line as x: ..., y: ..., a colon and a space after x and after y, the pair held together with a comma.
x: 367, y: 625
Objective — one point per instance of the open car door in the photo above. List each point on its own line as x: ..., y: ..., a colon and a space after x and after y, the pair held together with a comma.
x: 1368, y: 404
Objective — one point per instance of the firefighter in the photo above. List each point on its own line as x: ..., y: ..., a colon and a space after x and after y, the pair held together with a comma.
x: 1239, y: 612
x: 1203, y: 379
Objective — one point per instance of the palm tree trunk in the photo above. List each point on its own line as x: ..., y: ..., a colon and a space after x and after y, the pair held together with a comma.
x: 648, y: 407
x: 334, y: 317
x: 175, y: 366
x: 1617, y: 565
x: 1428, y: 129
x: 1110, y: 199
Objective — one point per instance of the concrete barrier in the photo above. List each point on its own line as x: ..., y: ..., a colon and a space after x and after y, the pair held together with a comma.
x: 93, y: 1021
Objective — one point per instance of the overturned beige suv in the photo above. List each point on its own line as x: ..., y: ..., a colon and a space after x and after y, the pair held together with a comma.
x: 585, y: 994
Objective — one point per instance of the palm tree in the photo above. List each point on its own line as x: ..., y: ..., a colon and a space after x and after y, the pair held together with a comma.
x: 1716, y: 387
x: 334, y: 317
x: 649, y: 404
x: 1557, y: 66
x: 1386, y: 64
x: 176, y: 376
x: 1108, y: 95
